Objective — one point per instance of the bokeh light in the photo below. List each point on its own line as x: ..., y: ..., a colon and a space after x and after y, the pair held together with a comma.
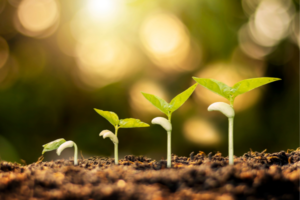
x: 139, y: 105
x: 167, y: 42
x: 4, y: 51
x: 37, y: 18
x: 271, y: 21
x: 267, y: 26
x: 250, y: 47
x: 249, y: 6
x: 227, y: 74
x: 200, y: 131
x: 295, y: 30
x: 103, y: 61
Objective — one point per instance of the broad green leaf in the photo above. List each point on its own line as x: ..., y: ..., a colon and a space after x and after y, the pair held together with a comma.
x: 132, y: 123
x: 110, y: 116
x: 181, y: 98
x: 159, y: 103
x: 215, y: 86
x: 250, y: 84
x: 53, y: 145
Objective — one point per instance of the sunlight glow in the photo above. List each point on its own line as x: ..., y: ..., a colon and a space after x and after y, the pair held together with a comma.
x: 103, y: 60
x: 103, y: 8
x: 167, y: 42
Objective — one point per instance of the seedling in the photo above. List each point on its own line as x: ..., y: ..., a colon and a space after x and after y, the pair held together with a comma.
x: 60, y: 145
x: 168, y: 109
x: 122, y: 123
x: 231, y: 93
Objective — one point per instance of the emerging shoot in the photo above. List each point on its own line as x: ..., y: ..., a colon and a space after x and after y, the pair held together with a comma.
x: 231, y: 93
x: 168, y: 109
x: 166, y: 124
x: 66, y: 145
x: 228, y: 111
x: 122, y: 123
x: 60, y: 145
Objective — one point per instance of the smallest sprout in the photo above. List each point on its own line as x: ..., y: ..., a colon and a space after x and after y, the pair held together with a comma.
x: 66, y: 145
x: 60, y: 145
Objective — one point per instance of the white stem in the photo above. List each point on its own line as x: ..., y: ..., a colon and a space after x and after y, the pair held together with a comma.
x: 66, y: 145
x: 230, y: 140
x: 75, y: 154
x: 169, y: 164
x: 116, y: 154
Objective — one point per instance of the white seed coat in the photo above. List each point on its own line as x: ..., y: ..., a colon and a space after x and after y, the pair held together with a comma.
x: 224, y: 108
x: 163, y: 122
x: 112, y: 137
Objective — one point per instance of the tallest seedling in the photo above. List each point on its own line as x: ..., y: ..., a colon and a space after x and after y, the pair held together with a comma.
x: 230, y: 93
x: 168, y: 109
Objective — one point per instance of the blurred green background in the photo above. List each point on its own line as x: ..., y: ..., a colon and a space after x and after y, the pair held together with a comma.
x: 61, y: 59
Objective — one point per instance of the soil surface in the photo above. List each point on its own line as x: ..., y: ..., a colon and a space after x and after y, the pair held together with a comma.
x: 255, y: 175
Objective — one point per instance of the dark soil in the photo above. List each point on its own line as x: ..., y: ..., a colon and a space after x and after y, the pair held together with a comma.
x: 254, y: 176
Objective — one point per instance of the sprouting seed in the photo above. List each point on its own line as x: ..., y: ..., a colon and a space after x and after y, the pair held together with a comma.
x: 122, y: 123
x: 60, y: 145
x: 168, y: 109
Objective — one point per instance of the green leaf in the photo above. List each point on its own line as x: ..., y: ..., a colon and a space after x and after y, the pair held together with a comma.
x: 53, y: 145
x: 181, y: 98
x: 159, y: 103
x: 132, y: 123
x: 215, y: 86
x: 110, y: 116
x: 250, y: 84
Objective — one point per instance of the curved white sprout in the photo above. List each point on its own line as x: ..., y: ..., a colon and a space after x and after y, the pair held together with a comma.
x: 224, y: 108
x: 67, y: 145
x: 112, y: 137
x: 163, y: 122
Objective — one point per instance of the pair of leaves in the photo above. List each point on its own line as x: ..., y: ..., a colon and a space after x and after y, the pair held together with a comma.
x: 123, y: 123
x: 239, y: 88
x: 53, y: 145
x: 176, y: 102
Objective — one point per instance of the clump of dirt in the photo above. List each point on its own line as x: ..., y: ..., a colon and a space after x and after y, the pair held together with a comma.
x: 255, y: 175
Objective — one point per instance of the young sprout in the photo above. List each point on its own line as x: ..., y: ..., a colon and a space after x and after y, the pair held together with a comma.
x: 114, y: 139
x: 228, y: 111
x: 122, y: 123
x: 231, y: 93
x: 60, y: 145
x: 166, y: 124
x: 168, y: 109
